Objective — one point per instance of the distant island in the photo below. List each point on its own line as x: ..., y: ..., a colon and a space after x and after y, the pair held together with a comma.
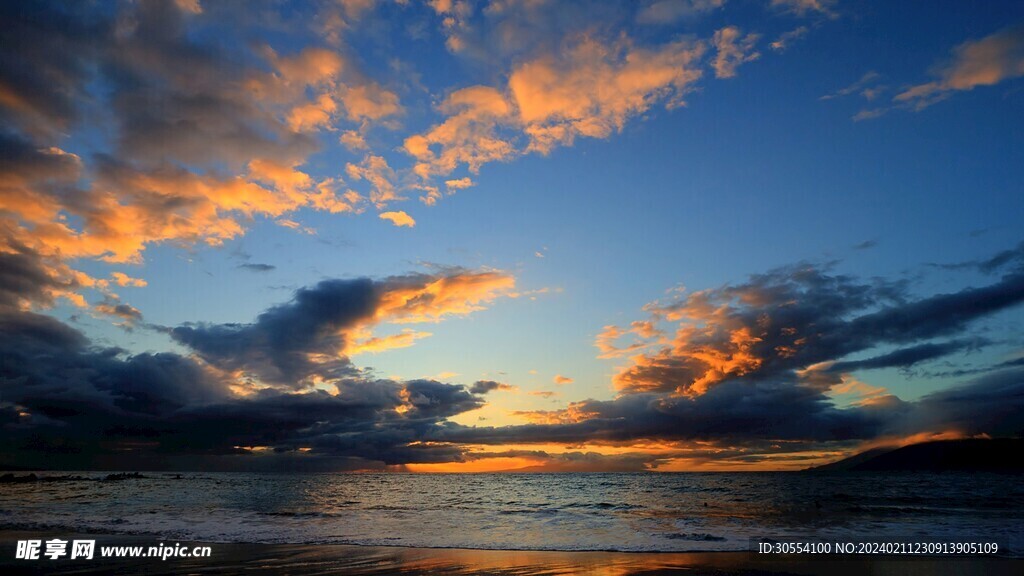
x: 968, y: 455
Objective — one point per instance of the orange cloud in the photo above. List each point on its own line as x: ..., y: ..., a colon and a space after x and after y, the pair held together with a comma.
x: 370, y: 102
x: 459, y: 184
x: 589, y: 90
x: 806, y: 7
x: 333, y: 82
x: 594, y: 88
x: 375, y: 170
x: 468, y: 136
x: 983, y: 62
x: 543, y: 393
x: 374, y: 345
x: 191, y: 6
x: 122, y: 279
x: 455, y: 294
x: 399, y: 218
x: 644, y: 331
x: 570, y: 415
x: 733, y: 49
x: 312, y: 115
x: 562, y: 380
x: 353, y: 140
x: 112, y: 307
x: 419, y: 299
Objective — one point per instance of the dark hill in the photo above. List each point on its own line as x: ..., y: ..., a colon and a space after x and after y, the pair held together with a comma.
x: 969, y: 455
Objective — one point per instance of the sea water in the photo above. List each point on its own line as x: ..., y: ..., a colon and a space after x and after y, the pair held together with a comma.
x: 622, y: 512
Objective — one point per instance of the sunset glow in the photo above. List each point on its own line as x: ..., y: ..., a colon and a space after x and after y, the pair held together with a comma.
x: 450, y: 236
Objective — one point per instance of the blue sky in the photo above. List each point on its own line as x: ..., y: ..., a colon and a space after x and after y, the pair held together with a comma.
x: 703, y: 141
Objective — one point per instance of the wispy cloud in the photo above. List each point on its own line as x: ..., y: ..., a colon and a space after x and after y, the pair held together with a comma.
x: 985, y: 62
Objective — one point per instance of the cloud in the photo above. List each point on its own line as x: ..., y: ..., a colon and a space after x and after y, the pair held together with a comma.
x: 807, y: 7
x: 733, y: 422
x: 353, y: 141
x: 644, y: 334
x: 339, y: 90
x: 989, y: 405
x: 376, y: 344
x: 906, y: 357
x: 112, y: 307
x: 399, y: 218
x: 123, y: 279
x: 459, y: 184
x: 468, y: 136
x: 562, y: 380
x: 793, y: 318
x: 869, y: 114
x: 27, y: 279
x: 732, y: 414
x: 786, y: 39
x: 70, y: 405
x: 867, y: 87
x: 290, y: 343
x: 199, y: 137
x: 733, y: 49
x: 985, y: 62
x: 592, y: 88
x: 499, y: 32
x: 256, y: 267
x: 663, y: 12
x: 756, y: 373
x: 309, y: 339
x: 38, y: 95
x: 277, y: 384
x: 376, y: 171
x: 543, y: 393
x: 486, y: 386
x: 587, y: 89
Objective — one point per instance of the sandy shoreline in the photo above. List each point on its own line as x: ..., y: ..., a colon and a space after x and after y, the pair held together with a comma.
x: 315, y: 559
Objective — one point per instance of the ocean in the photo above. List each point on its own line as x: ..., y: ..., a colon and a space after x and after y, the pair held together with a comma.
x: 663, y: 512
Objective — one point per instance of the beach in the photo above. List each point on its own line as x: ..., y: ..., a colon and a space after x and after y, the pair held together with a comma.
x: 612, y: 524
x: 311, y: 559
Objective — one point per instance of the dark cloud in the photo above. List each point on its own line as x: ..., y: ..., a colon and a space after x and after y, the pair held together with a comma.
x: 291, y: 343
x: 739, y: 414
x: 113, y: 307
x: 300, y: 404
x: 235, y: 404
x: 731, y: 412
x: 257, y: 267
x: 992, y: 404
x: 173, y: 98
x: 45, y: 63
x: 936, y: 316
x: 761, y: 360
x: 906, y: 357
x: 25, y: 278
x: 485, y: 386
x: 791, y: 319
x: 433, y: 399
x: 276, y: 348
x: 184, y: 128
x: 69, y: 404
x: 991, y: 264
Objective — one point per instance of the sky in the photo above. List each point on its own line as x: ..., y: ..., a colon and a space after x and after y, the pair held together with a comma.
x: 665, y: 235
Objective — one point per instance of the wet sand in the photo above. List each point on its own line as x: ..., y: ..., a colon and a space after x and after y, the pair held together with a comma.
x: 315, y: 559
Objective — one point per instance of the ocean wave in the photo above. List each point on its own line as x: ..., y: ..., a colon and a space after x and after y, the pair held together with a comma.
x: 629, y: 513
